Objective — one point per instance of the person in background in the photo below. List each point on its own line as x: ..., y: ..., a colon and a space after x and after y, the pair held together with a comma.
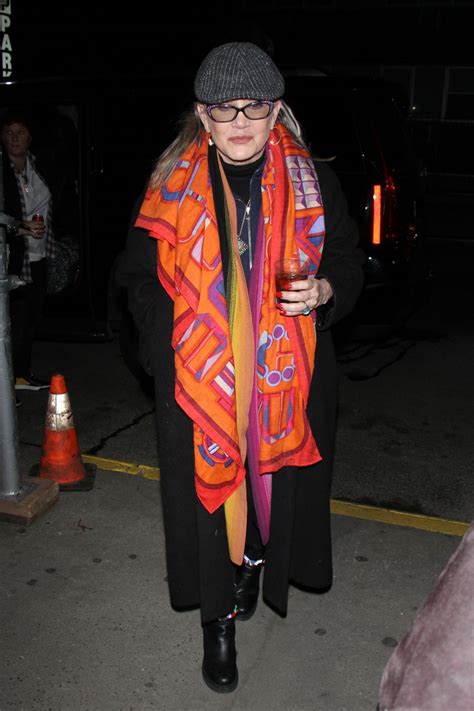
x: 28, y: 199
x: 245, y: 374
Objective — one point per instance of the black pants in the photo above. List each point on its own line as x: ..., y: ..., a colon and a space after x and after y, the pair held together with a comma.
x: 216, y: 571
x: 26, y: 308
x: 254, y: 547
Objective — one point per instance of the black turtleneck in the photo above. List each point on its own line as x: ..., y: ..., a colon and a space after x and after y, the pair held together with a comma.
x: 239, y: 176
x: 244, y: 180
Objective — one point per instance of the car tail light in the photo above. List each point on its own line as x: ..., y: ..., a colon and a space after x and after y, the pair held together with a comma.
x: 384, y: 211
x: 377, y: 214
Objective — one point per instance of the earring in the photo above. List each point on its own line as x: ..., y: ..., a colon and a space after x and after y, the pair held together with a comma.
x: 272, y: 141
x: 210, y: 141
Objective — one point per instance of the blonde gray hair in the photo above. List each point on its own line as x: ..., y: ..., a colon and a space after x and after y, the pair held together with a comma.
x: 191, y: 127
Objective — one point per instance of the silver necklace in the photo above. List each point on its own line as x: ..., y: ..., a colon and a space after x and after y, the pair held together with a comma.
x: 243, y: 246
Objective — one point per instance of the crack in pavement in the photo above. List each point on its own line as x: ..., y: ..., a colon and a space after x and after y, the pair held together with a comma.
x: 102, y: 442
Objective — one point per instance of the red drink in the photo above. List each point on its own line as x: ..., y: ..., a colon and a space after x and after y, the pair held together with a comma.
x: 284, y: 278
x: 290, y: 270
x: 37, y: 218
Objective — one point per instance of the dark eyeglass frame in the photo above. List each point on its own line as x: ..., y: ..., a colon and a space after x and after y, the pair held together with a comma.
x: 209, y: 108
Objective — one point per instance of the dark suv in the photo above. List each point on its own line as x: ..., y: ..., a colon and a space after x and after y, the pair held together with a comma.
x: 358, y: 125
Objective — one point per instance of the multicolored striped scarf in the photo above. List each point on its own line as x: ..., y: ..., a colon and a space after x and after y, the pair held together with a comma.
x: 243, y: 370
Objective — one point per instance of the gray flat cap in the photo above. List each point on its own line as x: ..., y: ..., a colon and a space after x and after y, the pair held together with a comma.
x: 237, y: 70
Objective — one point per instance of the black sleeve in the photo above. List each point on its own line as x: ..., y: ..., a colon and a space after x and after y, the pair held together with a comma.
x: 147, y: 301
x: 12, y: 207
x: 342, y: 259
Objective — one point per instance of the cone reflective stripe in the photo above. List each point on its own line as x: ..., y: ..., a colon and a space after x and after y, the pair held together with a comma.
x: 59, y: 415
x: 60, y: 458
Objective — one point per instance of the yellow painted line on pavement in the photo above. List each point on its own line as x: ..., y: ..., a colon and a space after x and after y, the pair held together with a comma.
x: 340, y: 508
x: 399, y: 518
x: 115, y: 465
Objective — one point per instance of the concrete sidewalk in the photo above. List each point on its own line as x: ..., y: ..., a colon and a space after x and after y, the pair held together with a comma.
x: 86, y: 622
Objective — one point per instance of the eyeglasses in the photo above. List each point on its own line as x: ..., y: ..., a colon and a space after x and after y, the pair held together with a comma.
x: 224, y: 113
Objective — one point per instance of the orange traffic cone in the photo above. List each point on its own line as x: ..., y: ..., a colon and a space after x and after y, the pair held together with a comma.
x: 60, y: 457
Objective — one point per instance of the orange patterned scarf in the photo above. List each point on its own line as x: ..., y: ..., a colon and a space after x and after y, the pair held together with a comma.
x: 227, y: 353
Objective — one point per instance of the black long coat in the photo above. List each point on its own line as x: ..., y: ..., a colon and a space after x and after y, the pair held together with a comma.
x: 299, y: 550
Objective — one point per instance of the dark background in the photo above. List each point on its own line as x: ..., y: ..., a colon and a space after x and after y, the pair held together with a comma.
x: 424, y: 46
x: 74, y: 39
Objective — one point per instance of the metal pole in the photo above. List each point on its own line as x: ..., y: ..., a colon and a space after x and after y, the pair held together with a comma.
x: 10, y: 485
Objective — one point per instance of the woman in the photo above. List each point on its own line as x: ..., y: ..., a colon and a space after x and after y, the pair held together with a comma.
x: 28, y: 199
x: 245, y: 377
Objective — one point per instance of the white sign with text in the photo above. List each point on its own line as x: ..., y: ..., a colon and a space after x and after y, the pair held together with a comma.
x: 5, y: 42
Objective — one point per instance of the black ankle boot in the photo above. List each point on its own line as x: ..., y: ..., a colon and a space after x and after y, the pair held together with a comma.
x: 219, y: 667
x: 247, y: 586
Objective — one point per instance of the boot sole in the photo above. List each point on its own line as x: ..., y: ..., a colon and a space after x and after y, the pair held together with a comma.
x: 220, y: 688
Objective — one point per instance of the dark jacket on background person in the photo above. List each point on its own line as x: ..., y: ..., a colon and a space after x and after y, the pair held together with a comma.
x: 200, y: 571
x: 12, y: 207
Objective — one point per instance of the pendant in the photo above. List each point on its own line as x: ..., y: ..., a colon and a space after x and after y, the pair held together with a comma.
x: 242, y: 246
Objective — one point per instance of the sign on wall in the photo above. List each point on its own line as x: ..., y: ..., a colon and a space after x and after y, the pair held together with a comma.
x: 6, y: 45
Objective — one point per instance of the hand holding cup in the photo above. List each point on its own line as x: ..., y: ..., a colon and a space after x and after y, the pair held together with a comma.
x: 35, y: 227
x: 297, y: 292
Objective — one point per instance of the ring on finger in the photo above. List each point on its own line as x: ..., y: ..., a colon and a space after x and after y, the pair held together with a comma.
x: 307, y: 309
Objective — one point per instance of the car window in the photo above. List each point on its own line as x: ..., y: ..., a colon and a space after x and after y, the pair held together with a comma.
x: 334, y: 135
x: 327, y: 117
x: 387, y: 139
